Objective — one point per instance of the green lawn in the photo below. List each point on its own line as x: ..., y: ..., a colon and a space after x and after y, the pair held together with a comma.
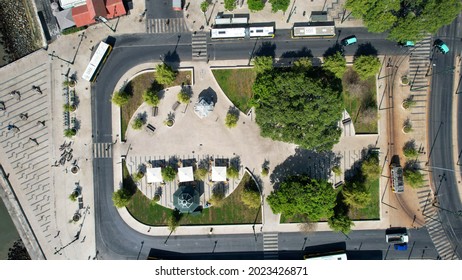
x: 237, y: 85
x: 372, y: 210
x: 233, y: 211
x: 361, y: 103
x: 136, y: 88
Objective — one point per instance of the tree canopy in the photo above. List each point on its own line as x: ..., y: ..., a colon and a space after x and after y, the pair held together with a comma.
x: 263, y: 64
x: 305, y: 196
x: 168, y: 173
x: 366, y: 66
x: 255, y: 5
x: 230, y: 5
x: 151, y: 98
x: 356, y: 196
x: 336, y: 64
x: 121, y: 198
x: 165, y: 75
x: 120, y: 98
x: 294, y: 107
x: 279, y: 5
x: 370, y: 167
x: 404, y: 19
x: 413, y: 178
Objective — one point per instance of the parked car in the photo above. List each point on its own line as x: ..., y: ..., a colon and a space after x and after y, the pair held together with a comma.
x: 441, y: 46
x: 349, y: 40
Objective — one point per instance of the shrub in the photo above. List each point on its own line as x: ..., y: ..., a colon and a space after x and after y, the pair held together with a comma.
x: 404, y: 80
x: 73, y: 196
x: 71, y: 132
x: 255, y: 5
x: 251, y: 198
x: 232, y: 172
x: 204, y: 6
x: 337, y: 170
x: 72, y: 30
x: 174, y: 220
x: 183, y: 97
x: 137, y: 176
x: 408, y: 103
x: 168, y: 122
x: 120, y: 98
x: 165, y: 74
x: 168, y: 173
x: 217, y: 198
x: 151, y: 98
x: 69, y: 108
x: 231, y: 119
x: 230, y: 5
x: 121, y: 198
x: 200, y: 173
x: 155, y: 199
x: 265, y: 171
x: 407, y: 128
x: 413, y: 178
x: 137, y: 124
x: 410, y: 151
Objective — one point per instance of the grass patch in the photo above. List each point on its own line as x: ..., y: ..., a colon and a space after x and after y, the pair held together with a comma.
x: 237, y: 85
x: 233, y: 211
x: 372, y: 210
x: 360, y: 101
x: 136, y: 88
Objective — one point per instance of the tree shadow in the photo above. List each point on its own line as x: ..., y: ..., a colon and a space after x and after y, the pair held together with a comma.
x: 235, y: 162
x: 365, y: 49
x: 233, y: 110
x: 142, y: 168
x: 266, y: 49
x: 355, y: 174
x: 333, y: 50
x: 143, y: 117
x: 173, y: 161
x: 157, y: 163
x: 172, y: 59
x: 305, y: 162
x: 304, y: 52
x: 220, y: 188
x: 221, y: 162
x: 209, y: 95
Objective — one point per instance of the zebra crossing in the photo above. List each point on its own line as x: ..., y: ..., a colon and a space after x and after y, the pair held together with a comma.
x: 270, y: 246
x: 166, y: 25
x: 199, y: 46
x: 102, y: 150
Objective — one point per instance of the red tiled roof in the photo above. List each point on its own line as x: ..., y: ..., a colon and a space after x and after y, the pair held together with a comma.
x: 85, y: 15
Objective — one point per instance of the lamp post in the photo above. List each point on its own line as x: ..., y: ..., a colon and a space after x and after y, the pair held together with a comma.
x: 53, y: 55
x: 103, y: 20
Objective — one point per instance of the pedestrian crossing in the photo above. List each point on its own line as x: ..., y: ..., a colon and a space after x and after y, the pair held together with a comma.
x: 270, y: 246
x: 199, y: 46
x: 102, y: 150
x: 166, y: 25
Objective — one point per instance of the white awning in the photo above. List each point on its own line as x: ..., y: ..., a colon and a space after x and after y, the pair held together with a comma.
x: 218, y: 173
x: 185, y: 174
x: 154, y: 175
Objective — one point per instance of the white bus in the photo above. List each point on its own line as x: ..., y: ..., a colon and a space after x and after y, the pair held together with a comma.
x: 331, y: 256
x: 314, y: 30
x: 96, y: 62
x: 242, y: 31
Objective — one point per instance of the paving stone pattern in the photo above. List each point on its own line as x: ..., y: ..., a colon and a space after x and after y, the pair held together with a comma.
x: 28, y: 150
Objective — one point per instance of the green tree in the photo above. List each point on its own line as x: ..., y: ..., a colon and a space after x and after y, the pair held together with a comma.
x: 409, y: 150
x: 337, y: 170
x: 183, y: 97
x: 155, y: 199
x: 73, y: 196
x: 304, y: 196
x: 366, y: 66
x: 336, y: 64
x: 71, y: 132
x: 370, y: 167
x: 262, y: 64
x: 404, y: 19
x: 251, y: 198
x: 120, y: 98
x: 413, y: 178
x: 174, y: 220
x: 232, y: 172
x: 68, y: 107
x: 340, y: 222
x: 121, y: 198
x: 137, y: 124
x: 230, y: 5
x: 151, y: 98
x: 165, y: 74
x: 255, y: 5
x: 303, y: 64
x: 200, y: 173
x: 356, y: 196
x: 204, y: 6
x: 168, y: 173
x: 217, y: 197
x: 137, y: 176
x: 297, y: 108
x: 231, y: 119
x: 265, y: 171
x: 279, y: 5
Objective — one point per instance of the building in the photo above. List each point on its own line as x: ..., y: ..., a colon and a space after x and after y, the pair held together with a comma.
x: 97, y: 10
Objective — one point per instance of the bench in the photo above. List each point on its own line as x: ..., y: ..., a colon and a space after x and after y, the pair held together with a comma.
x: 338, y: 184
x: 150, y: 128
x: 175, y: 106
x: 345, y: 121
x: 155, y: 111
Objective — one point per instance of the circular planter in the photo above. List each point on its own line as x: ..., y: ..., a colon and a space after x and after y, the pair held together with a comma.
x: 169, y: 123
x: 74, y: 169
x: 404, y: 80
x: 404, y: 129
x: 76, y: 217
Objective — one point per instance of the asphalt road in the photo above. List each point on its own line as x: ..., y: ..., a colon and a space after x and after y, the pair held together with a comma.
x: 115, y: 240
x: 161, y: 9
x: 441, y: 161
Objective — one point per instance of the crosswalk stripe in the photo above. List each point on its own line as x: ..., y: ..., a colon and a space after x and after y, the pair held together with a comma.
x: 159, y: 25
x: 102, y: 150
